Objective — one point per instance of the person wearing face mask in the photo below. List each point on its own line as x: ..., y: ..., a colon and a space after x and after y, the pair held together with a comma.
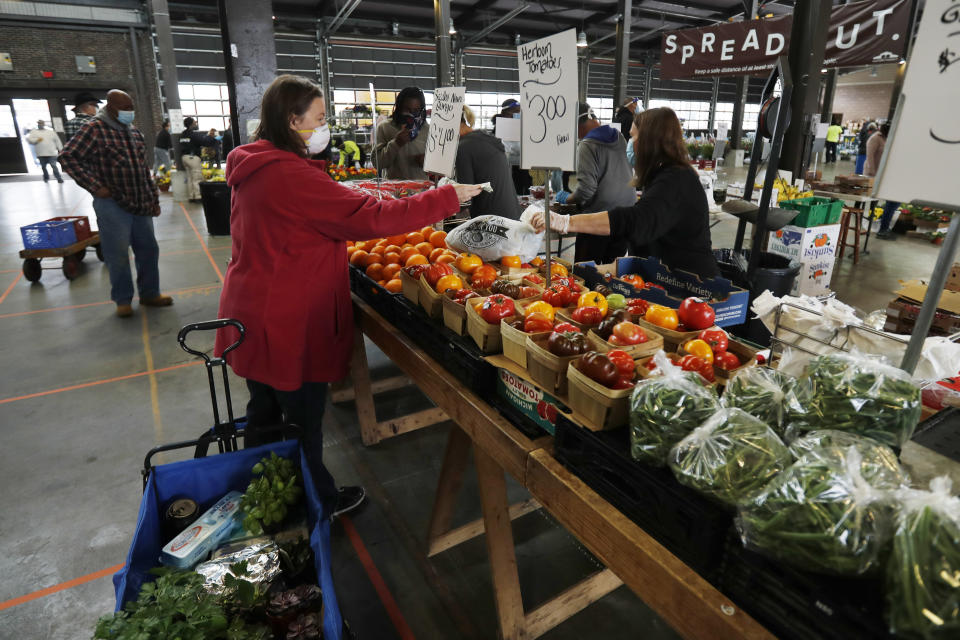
x: 288, y: 280
x: 402, y: 140
x: 192, y: 142
x: 107, y: 157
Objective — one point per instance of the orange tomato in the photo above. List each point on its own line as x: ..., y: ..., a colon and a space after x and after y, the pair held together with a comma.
x: 468, y: 262
x: 426, y: 231
x: 425, y: 248
x: 483, y: 276
x: 436, y: 253
x: 540, y: 307
x: 414, y: 238
x: 375, y: 271
x: 449, y: 282
x: 391, y: 270
x: 358, y: 258
x: 415, y: 258
x: 378, y: 249
x: 438, y: 239
x: 557, y: 269
x: 700, y: 349
x: 407, y: 252
x: 397, y: 239
x: 349, y: 243
x: 391, y: 257
x: 351, y: 250
x: 394, y: 286
x: 537, y: 261
x: 445, y: 259
x: 662, y: 316
x: 511, y: 261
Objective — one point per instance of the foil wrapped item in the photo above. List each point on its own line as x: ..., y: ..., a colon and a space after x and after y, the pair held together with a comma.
x: 263, y: 565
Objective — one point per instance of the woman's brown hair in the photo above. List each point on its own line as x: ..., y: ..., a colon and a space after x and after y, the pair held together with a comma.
x: 659, y: 143
x: 287, y: 96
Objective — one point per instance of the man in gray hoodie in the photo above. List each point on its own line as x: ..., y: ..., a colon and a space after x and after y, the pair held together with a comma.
x: 603, y: 183
x: 481, y: 158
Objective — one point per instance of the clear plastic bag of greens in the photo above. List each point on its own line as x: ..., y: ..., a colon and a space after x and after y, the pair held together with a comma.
x: 731, y: 457
x: 879, y: 464
x: 822, y: 515
x: 923, y: 574
x: 665, y: 408
x: 762, y: 392
x: 859, y: 394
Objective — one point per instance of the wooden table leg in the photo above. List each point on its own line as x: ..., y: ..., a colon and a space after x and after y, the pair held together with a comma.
x: 503, y: 558
x: 362, y: 391
x: 448, y: 486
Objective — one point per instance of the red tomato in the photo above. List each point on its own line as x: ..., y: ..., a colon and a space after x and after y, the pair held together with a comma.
x: 496, y: 308
x: 695, y: 314
x: 726, y: 360
x: 537, y: 322
x: 624, y: 382
x: 483, y: 276
x: 415, y: 270
x: 587, y: 315
x: 624, y: 362
x: 534, y: 278
x: 566, y: 326
x: 436, y: 271
x: 629, y: 333
x: 638, y: 306
x: 761, y: 359
x: 557, y: 295
x: 529, y: 292
x: 716, y: 338
x: 650, y: 285
x: 693, y: 363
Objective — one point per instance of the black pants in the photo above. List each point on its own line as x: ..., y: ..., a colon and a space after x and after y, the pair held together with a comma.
x: 831, y: 152
x: 304, y: 408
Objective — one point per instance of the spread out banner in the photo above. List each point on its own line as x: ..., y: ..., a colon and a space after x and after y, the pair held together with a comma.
x: 861, y: 33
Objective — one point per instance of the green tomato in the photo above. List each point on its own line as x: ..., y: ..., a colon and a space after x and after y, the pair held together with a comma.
x: 616, y: 301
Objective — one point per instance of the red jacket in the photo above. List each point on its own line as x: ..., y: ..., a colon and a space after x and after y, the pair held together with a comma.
x: 287, y: 281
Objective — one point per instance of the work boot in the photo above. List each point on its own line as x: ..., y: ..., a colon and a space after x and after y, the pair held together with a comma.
x: 124, y: 311
x: 157, y: 301
x: 348, y: 499
x: 886, y: 235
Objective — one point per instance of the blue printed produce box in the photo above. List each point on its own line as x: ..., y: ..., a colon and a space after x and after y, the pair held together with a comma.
x: 538, y: 406
x: 730, y: 303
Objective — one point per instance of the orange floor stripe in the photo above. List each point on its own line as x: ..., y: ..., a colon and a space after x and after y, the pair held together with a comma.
x: 383, y: 592
x: 185, y: 252
x: 10, y: 288
x: 90, y: 577
x: 201, y: 287
x: 98, y: 382
x: 202, y: 243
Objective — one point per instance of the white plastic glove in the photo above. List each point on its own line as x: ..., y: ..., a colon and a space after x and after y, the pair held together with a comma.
x: 559, y: 222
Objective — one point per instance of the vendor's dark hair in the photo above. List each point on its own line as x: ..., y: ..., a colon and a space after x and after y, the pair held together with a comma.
x: 659, y: 143
x: 885, y: 129
x: 287, y: 96
x: 406, y: 93
x: 337, y: 141
x: 188, y: 122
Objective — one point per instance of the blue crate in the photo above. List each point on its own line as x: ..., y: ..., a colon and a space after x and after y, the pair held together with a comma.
x: 48, y: 234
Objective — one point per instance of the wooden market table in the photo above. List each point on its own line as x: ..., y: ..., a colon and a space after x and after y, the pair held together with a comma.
x: 685, y: 600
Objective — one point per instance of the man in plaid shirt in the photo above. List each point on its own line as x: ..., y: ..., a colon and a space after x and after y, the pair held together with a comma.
x: 107, y: 158
x: 85, y: 106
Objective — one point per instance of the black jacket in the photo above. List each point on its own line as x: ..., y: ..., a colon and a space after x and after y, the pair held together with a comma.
x: 481, y: 158
x: 193, y: 142
x: 671, y: 221
x: 862, y: 138
x: 163, y: 140
x: 624, y: 118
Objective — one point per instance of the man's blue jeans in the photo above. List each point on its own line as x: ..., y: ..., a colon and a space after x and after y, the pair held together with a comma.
x: 120, y: 230
x: 889, y: 209
x: 861, y: 161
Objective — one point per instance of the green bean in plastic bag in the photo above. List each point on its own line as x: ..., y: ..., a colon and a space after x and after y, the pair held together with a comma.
x: 923, y: 574
x: 879, y: 466
x: 731, y: 457
x: 762, y: 392
x: 821, y: 514
x: 860, y: 395
x: 664, y: 409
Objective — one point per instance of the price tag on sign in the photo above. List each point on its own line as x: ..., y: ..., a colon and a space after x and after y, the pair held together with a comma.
x: 548, y: 101
x: 444, y: 132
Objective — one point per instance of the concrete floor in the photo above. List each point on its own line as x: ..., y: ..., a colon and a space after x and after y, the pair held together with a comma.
x: 84, y: 394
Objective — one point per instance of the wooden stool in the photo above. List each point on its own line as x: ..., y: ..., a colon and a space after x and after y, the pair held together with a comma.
x: 855, y: 214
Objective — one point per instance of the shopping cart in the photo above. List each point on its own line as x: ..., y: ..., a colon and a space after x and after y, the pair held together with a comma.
x: 206, y: 479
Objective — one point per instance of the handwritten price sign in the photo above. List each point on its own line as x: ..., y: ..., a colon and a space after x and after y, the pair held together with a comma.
x: 444, y: 135
x: 548, y: 99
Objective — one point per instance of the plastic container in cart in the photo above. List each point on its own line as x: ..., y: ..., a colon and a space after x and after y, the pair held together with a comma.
x: 814, y: 211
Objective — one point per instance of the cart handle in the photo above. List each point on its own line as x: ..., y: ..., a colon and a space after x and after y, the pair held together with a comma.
x: 207, y: 326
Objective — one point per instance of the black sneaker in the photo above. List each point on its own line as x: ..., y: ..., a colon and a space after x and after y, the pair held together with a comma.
x: 886, y: 235
x: 348, y: 499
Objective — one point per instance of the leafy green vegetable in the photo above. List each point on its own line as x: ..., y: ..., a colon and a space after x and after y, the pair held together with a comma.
x: 731, y: 457
x: 268, y: 496
x: 762, y: 392
x: 862, y: 396
x: 663, y: 410
x: 923, y: 575
x: 821, y: 514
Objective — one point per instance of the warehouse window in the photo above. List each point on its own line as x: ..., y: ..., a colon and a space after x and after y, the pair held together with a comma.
x: 208, y: 103
x: 602, y: 108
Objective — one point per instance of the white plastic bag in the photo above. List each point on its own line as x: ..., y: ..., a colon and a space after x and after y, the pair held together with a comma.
x: 492, y: 237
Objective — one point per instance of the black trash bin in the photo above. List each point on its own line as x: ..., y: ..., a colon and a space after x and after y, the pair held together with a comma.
x: 774, y: 273
x: 216, y: 207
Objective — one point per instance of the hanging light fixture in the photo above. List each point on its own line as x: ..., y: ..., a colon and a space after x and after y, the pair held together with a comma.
x: 395, y: 28
x: 582, y: 40
x: 452, y: 29
x: 516, y: 39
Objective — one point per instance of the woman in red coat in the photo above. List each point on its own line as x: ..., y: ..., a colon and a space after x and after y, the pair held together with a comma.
x: 287, y: 281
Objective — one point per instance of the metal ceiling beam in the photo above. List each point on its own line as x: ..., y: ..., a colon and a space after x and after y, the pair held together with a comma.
x: 493, y: 26
x: 342, y: 16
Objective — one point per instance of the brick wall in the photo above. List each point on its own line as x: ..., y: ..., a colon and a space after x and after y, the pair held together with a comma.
x: 34, y: 49
x: 865, y: 94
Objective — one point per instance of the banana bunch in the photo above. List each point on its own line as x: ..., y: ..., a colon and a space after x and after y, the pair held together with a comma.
x: 786, y: 191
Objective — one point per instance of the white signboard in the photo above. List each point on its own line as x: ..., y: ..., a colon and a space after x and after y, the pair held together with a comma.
x: 444, y: 133
x: 507, y: 129
x: 176, y: 121
x: 923, y: 151
x: 548, y: 100
x: 58, y: 124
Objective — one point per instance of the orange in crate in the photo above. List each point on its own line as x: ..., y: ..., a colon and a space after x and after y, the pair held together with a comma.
x: 358, y: 258
x: 372, y: 258
x: 438, y: 239
x: 415, y: 238
x: 394, y: 286
x: 375, y: 271
x: 416, y: 258
x: 391, y: 270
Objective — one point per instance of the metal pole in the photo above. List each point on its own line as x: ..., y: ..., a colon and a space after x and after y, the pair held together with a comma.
x: 546, y: 220
x: 829, y: 90
x: 458, y: 78
x: 138, y: 82
x: 948, y: 253
x: 583, y: 75
x: 647, y: 84
x: 160, y: 13
x: 441, y: 16
x: 713, y: 105
x: 323, y: 69
x: 902, y: 71
x: 739, y: 105
x: 622, y: 55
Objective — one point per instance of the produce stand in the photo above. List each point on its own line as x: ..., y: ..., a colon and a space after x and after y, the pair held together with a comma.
x: 683, y: 598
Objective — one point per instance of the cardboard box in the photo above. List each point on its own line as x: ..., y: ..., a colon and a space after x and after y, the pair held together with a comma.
x: 902, y: 316
x: 515, y: 386
x: 953, y: 280
x: 916, y: 290
x: 730, y: 303
x: 815, y: 248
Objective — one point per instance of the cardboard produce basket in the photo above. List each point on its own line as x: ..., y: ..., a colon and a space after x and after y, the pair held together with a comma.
x: 653, y: 344
x: 671, y: 339
x: 430, y: 300
x: 485, y: 335
x: 454, y: 315
x: 747, y: 356
x: 411, y: 287
x: 598, y: 407
x: 547, y: 370
x: 515, y: 342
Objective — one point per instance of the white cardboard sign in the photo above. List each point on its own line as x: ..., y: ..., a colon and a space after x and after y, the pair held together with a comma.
x: 507, y: 129
x: 922, y: 154
x: 548, y: 100
x: 176, y: 121
x: 444, y: 135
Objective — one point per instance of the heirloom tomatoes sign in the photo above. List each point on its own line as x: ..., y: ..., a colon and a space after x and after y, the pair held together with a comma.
x: 860, y: 33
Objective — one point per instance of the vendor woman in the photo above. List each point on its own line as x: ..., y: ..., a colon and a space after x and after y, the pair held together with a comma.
x: 670, y: 220
x: 287, y: 281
